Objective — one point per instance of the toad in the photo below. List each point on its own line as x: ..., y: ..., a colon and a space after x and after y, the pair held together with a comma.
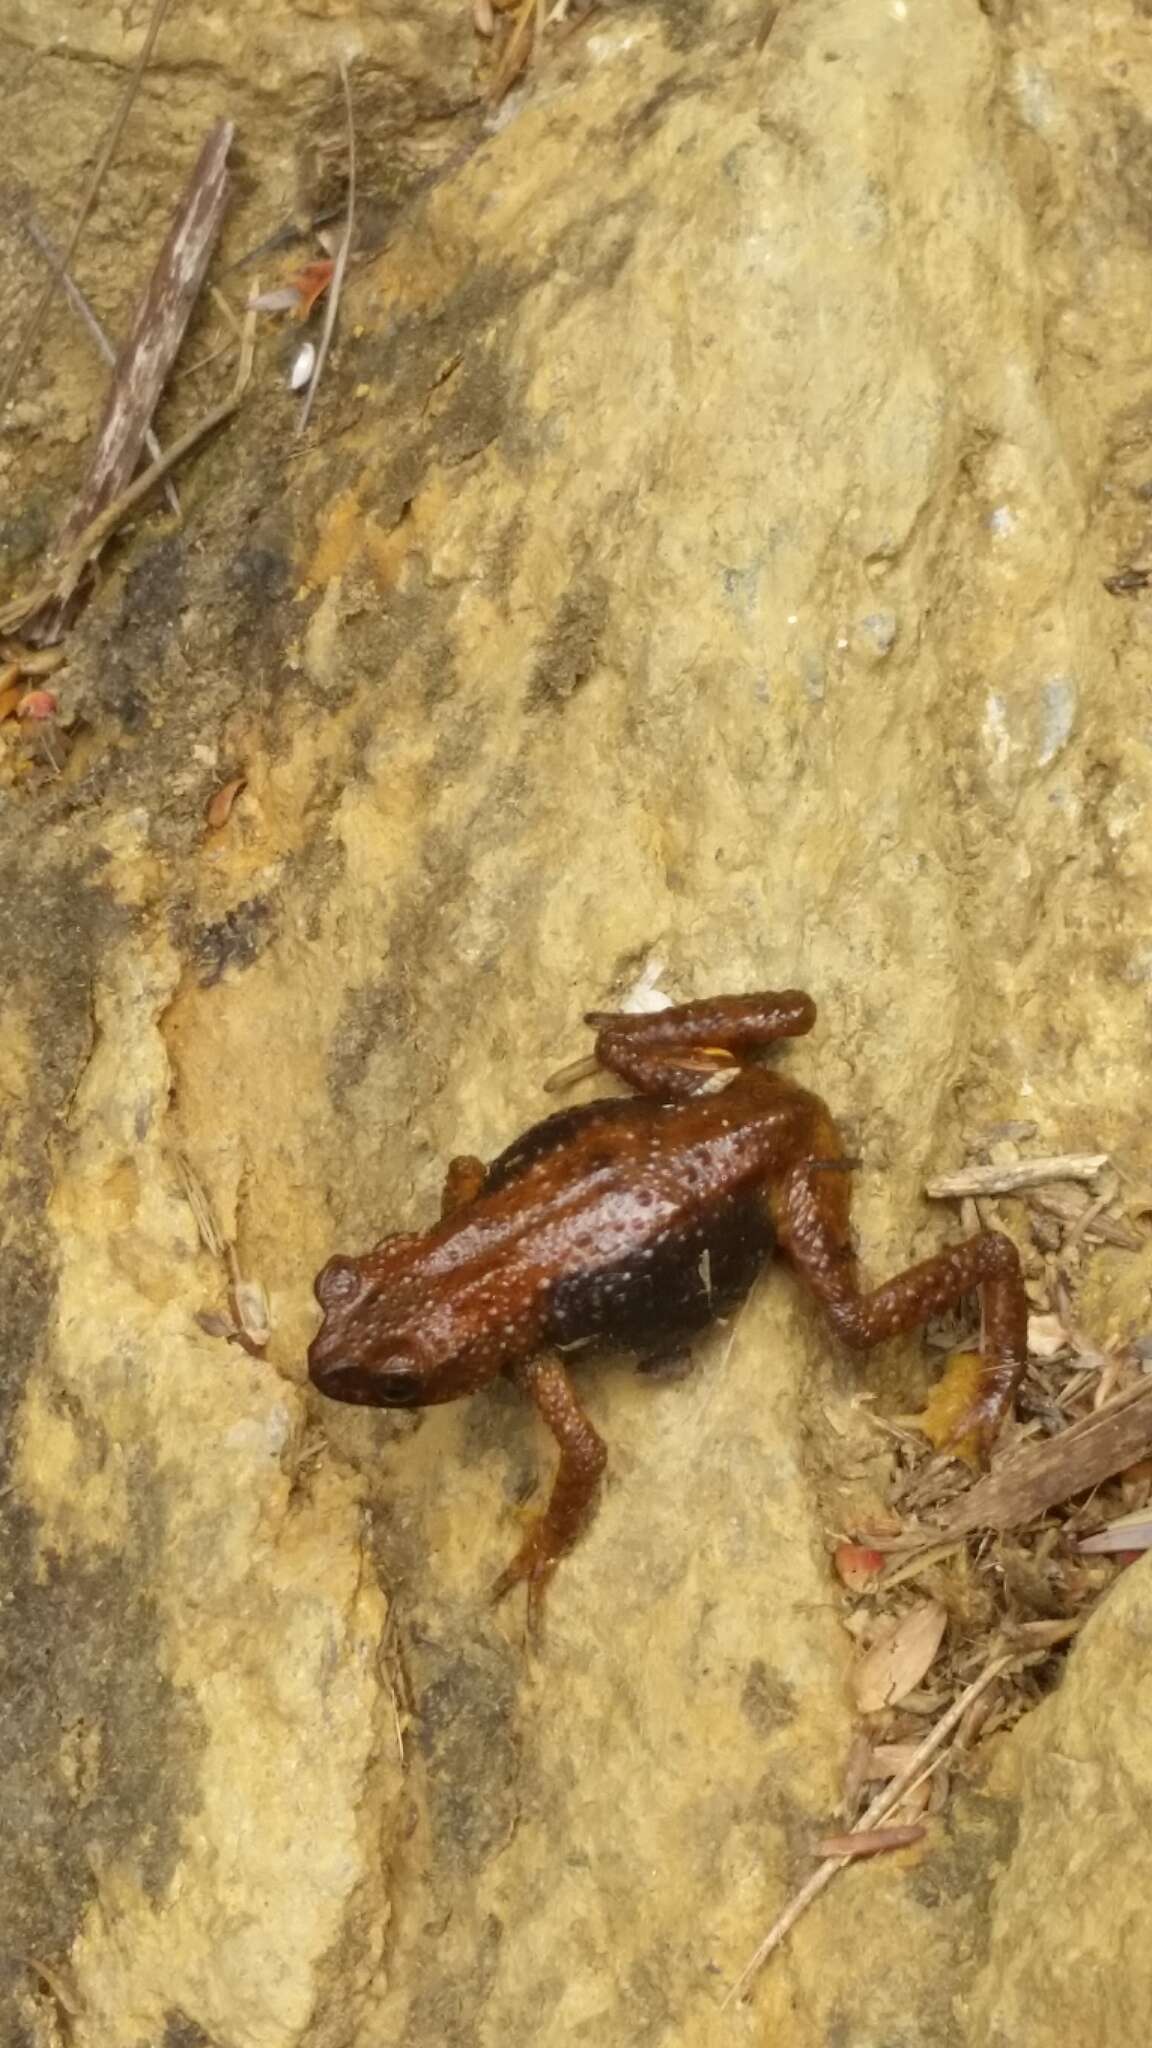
x: 633, y: 1222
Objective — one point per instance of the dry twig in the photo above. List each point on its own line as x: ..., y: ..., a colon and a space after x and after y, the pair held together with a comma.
x: 341, y: 263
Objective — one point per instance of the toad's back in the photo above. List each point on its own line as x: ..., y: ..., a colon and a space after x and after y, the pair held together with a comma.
x: 641, y: 1218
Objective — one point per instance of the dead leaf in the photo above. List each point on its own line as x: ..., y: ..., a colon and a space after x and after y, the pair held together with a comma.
x: 310, y: 284
x: 9, y: 699
x: 889, y: 1759
x: 220, y: 808
x: 857, y: 1565
x: 899, y: 1659
x: 951, y: 1399
x: 37, y: 704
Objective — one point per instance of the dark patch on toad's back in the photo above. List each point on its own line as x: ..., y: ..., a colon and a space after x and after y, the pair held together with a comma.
x: 575, y: 1128
x: 669, y: 1288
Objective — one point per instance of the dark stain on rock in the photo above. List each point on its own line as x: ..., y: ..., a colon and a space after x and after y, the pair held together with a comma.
x: 498, y: 1428
x: 96, y: 1740
x: 571, y: 649
x: 235, y: 940
x: 25, y: 533
x: 447, y: 2009
x: 1122, y: 158
x: 453, y: 418
x: 466, y: 1723
x: 965, y: 1868
x: 647, y: 116
x: 182, y: 2032
x: 155, y: 589
x: 260, y: 575
x: 506, y: 556
x: 767, y: 1701
x: 374, y: 1017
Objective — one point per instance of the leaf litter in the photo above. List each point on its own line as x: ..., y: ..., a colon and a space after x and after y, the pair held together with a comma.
x: 963, y: 1591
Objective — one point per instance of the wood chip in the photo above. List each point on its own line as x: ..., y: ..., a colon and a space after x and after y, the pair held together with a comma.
x: 896, y: 1663
x: 1045, y: 1474
x: 857, y: 1771
x: 1009, y: 1180
x: 1047, y: 1337
x: 199, y: 1201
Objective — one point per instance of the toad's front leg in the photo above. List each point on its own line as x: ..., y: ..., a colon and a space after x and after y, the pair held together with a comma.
x: 582, y: 1458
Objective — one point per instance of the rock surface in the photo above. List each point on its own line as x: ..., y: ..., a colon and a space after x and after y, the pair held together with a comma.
x: 695, y: 575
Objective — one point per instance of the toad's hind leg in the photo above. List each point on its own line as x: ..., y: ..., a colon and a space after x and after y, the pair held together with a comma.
x: 810, y: 1209
x: 582, y: 1458
x: 677, y: 1052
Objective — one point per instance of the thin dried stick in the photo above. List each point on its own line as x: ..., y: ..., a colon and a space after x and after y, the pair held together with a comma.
x: 1023, y: 1173
x: 65, y: 577
x: 881, y: 1805
x: 32, y: 325
x: 341, y: 263
x: 85, y: 314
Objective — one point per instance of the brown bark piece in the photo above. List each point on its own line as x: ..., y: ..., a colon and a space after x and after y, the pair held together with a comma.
x: 1068, y: 1464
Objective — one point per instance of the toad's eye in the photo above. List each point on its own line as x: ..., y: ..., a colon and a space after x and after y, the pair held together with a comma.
x: 338, y: 1284
x: 397, y: 1384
